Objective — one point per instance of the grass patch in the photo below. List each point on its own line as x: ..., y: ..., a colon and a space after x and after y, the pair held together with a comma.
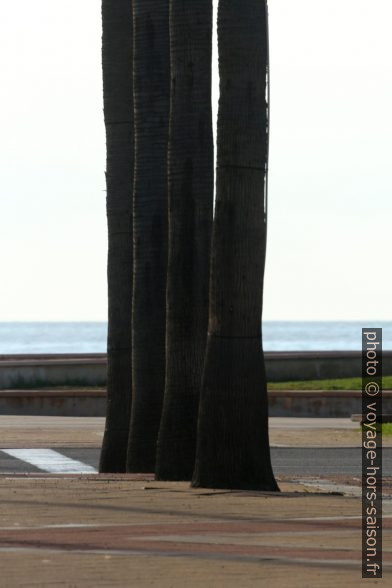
x: 386, y: 429
x: 337, y: 384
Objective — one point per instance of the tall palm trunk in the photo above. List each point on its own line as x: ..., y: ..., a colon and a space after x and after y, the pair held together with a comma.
x: 151, y: 77
x: 118, y: 112
x: 191, y: 191
x: 233, y: 447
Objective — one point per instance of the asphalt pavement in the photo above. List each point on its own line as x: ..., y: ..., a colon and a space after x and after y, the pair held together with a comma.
x: 306, y: 461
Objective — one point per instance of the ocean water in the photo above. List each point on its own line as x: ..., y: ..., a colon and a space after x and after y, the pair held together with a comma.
x: 90, y: 337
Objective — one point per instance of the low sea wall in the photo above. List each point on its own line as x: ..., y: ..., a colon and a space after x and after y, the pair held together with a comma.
x: 35, y: 371
x: 39, y: 371
x: 57, y: 385
x: 282, y: 403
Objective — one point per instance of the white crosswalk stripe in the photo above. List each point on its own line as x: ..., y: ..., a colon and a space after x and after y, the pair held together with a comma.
x: 50, y: 461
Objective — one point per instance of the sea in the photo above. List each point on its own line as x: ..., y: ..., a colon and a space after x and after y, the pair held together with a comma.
x: 90, y: 337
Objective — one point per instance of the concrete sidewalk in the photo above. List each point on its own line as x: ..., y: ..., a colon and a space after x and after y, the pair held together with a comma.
x: 128, y: 530
x: 43, y: 431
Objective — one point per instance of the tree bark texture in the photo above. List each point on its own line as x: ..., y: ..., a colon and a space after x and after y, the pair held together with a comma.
x: 118, y: 112
x: 191, y: 193
x: 151, y: 78
x: 233, y: 446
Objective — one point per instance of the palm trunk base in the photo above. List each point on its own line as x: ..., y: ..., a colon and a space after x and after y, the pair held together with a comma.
x: 233, y: 447
x: 176, y: 446
x: 118, y: 410
x: 140, y: 465
x: 180, y: 466
x: 114, y: 452
x: 146, y: 407
x: 179, y: 472
x: 142, y: 449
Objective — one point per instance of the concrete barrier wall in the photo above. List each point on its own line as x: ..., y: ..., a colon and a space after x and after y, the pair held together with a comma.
x: 57, y: 370
x: 73, y: 403
x: 320, y: 404
x: 29, y: 371
x: 318, y: 365
x: 282, y: 403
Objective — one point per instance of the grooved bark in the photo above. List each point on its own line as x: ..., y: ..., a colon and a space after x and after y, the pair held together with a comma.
x: 118, y: 113
x: 191, y: 177
x: 233, y: 447
x: 151, y: 78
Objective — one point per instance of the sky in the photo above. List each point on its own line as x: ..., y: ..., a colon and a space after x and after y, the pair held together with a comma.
x: 330, y: 181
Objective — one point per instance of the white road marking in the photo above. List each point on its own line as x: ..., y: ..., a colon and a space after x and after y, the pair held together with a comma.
x: 51, y: 461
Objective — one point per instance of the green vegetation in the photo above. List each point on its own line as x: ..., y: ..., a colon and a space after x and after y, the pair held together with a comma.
x: 386, y: 429
x: 338, y: 384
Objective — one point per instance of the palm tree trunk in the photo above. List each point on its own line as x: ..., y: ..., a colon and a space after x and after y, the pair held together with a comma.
x: 151, y: 77
x: 191, y: 192
x: 118, y: 112
x: 233, y: 447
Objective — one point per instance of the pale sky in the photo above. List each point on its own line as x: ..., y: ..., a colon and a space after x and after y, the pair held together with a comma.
x: 330, y: 205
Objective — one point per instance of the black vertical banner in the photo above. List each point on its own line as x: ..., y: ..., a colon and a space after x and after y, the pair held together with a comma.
x: 371, y: 453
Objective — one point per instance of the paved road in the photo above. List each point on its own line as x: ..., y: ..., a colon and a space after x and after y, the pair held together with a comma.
x: 98, y: 423
x: 286, y: 460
